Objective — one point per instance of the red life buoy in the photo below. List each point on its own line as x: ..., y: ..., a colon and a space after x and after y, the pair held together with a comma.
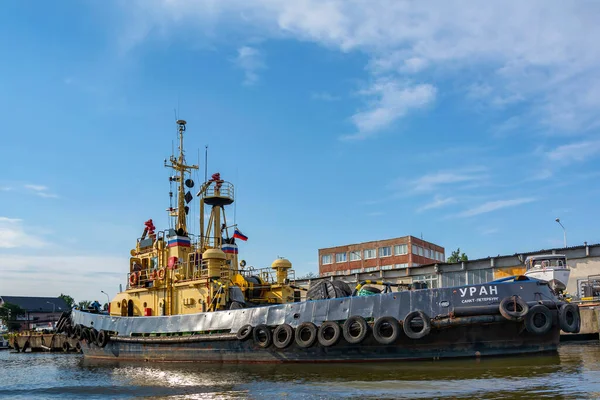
x: 133, y: 278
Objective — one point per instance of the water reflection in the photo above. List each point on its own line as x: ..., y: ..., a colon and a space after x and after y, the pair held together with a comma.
x: 573, y: 372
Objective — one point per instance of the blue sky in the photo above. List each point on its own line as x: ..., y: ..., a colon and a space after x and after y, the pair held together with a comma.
x: 337, y: 121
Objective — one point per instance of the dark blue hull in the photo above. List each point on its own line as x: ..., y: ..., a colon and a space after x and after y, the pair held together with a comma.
x: 493, y: 339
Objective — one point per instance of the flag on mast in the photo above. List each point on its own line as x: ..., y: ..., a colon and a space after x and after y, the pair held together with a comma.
x: 239, y: 235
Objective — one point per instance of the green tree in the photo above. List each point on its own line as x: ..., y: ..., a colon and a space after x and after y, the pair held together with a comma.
x: 83, y: 304
x: 9, y: 313
x: 457, y: 257
x: 68, y: 299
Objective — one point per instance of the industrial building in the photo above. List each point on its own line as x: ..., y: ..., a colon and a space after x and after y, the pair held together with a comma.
x: 583, y: 260
x: 390, y: 254
x: 39, y: 312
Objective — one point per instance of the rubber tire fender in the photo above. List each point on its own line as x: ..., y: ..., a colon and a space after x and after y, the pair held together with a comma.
x: 513, y: 315
x: 353, y: 322
x: 564, y: 313
x: 93, y: 336
x: 406, y: 325
x: 102, y: 338
x: 78, y: 347
x: 393, y: 323
x: 244, y: 332
x: 289, y: 336
x: 256, y: 334
x: 66, y: 346
x: 77, y: 332
x: 309, y: 327
x: 325, y: 327
x: 85, y: 334
x: 530, y: 319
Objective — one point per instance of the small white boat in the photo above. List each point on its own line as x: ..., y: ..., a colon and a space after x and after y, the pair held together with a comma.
x: 3, y: 343
x: 551, y: 268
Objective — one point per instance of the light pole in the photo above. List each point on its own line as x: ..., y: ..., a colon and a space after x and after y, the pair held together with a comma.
x: 564, y: 231
x: 107, y: 298
x: 53, y: 310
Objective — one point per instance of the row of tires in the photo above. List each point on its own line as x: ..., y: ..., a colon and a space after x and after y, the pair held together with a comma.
x: 80, y: 332
x: 385, y: 330
x: 538, y: 318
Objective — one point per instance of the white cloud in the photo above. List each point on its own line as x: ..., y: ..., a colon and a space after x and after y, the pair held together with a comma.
x: 433, y: 181
x: 575, y: 152
x: 250, y: 60
x: 325, y: 96
x: 525, y: 50
x: 495, y: 205
x: 82, y: 277
x: 392, y: 101
x: 40, y: 190
x: 13, y: 235
x: 438, y: 202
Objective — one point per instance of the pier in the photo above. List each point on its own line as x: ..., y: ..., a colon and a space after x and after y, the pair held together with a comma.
x: 51, y: 342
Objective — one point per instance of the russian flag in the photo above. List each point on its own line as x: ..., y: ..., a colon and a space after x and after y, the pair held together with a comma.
x: 239, y: 235
x: 229, y: 248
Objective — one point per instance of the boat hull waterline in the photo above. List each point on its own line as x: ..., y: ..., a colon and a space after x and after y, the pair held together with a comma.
x: 465, y: 322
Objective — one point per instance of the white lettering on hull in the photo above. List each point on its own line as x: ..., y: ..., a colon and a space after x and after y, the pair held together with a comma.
x: 478, y: 291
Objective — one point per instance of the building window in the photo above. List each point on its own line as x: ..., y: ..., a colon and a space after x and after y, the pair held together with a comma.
x: 355, y: 271
x: 415, y: 249
x: 452, y: 279
x: 426, y: 253
x: 421, y: 251
x: 369, y: 253
x: 340, y: 257
x: 415, y: 264
x: 385, y: 267
x: 478, y: 276
x: 404, y: 265
x: 326, y: 259
x: 385, y: 251
x: 355, y: 255
x: 431, y: 280
x: 400, y: 249
x: 371, y: 269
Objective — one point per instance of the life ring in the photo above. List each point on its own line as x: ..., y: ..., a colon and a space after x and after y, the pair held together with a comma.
x: 102, y: 338
x: 153, y: 275
x: 386, y: 330
x: 408, y: 328
x: 262, y: 336
x: 306, y: 334
x: 355, y: 329
x: 513, y: 308
x: 133, y: 278
x: 329, y: 333
x: 162, y: 273
x: 283, y: 336
x: 538, y: 320
x: 569, y: 318
x: 244, y: 332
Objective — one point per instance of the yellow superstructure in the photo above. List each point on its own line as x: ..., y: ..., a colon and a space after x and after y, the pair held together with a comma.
x: 173, y: 272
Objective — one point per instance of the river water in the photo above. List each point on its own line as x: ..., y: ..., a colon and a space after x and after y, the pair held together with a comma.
x: 571, y: 373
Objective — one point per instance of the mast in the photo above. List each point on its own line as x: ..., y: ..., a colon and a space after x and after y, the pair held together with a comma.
x: 179, y: 165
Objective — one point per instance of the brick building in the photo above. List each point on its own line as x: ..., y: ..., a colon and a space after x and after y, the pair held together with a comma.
x: 402, y: 252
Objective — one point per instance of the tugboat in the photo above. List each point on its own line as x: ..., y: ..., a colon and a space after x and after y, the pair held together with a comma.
x: 188, y: 298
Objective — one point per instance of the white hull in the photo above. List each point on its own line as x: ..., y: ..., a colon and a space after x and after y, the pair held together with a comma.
x: 550, y: 274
